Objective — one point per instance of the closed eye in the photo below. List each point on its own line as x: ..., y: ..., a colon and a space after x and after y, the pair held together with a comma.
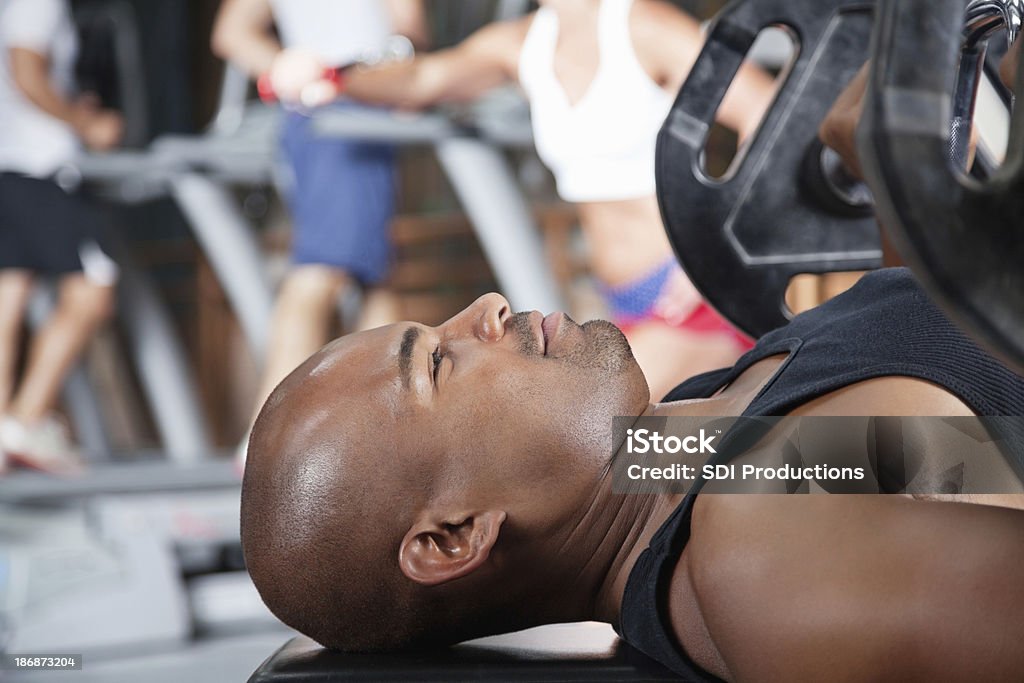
x: 437, y: 357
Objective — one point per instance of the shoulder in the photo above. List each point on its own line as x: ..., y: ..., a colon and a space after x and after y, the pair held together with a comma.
x: 665, y: 38
x: 33, y: 5
x: 661, y: 11
x: 799, y: 587
x: 31, y: 23
x: 502, y: 41
x: 888, y: 396
x: 658, y: 18
x: 504, y: 35
x: 889, y: 278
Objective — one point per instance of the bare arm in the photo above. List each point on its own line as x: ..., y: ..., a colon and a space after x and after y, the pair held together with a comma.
x: 30, y: 72
x: 747, y: 100
x: 1008, y: 67
x: 486, y: 59
x: 241, y: 35
x: 839, y: 127
x: 838, y: 131
x: 869, y: 587
x: 668, y: 41
x: 409, y: 18
x: 99, y: 129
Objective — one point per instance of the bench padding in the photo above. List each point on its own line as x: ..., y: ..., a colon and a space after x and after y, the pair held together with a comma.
x: 563, y: 652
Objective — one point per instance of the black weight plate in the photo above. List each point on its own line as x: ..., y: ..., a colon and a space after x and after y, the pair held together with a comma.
x: 742, y: 238
x: 964, y: 238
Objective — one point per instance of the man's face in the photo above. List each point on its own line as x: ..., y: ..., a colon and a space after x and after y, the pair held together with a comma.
x: 493, y: 398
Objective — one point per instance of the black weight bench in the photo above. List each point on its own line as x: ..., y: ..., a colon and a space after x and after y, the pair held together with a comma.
x: 563, y: 652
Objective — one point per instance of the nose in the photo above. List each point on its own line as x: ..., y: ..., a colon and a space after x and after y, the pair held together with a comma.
x: 484, y: 319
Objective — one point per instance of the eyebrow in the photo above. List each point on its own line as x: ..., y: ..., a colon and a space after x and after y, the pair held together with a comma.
x: 405, y: 355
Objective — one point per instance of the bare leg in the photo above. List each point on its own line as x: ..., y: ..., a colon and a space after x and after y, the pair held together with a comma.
x: 81, y: 308
x: 380, y: 307
x: 302, y: 321
x: 15, y: 287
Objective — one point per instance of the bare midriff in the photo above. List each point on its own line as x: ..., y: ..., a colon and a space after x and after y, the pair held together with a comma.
x: 626, y: 239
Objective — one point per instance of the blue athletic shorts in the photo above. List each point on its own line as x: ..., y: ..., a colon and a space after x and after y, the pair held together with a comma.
x: 342, y: 198
x: 48, y: 230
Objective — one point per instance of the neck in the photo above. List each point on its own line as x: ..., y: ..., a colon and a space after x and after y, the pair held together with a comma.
x: 572, y: 8
x: 640, y: 517
x: 616, y: 528
x: 601, y: 545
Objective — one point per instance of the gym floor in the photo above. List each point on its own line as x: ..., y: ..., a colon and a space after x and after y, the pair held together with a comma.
x: 226, y: 659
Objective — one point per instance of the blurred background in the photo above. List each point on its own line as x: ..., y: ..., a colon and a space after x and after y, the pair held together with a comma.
x: 151, y: 60
x: 136, y: 560
x: 127, y: 394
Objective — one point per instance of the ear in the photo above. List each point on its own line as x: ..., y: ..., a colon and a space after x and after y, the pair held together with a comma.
x: 435, y: 552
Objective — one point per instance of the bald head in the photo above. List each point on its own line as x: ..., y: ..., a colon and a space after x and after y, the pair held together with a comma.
x: 317, y: 539
x: 400, y: 474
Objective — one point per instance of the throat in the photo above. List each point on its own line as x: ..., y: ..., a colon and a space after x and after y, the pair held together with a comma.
x: 639, y: 517
x: 629, y: 522
x: 638, y: 521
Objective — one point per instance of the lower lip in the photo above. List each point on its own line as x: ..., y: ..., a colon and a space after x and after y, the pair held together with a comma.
x: 550, y: 326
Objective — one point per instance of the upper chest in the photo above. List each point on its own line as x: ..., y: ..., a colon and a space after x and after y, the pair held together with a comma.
x: 587, y: 57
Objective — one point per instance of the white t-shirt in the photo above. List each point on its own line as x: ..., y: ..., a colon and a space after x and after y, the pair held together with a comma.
x: 32, y: 141
x: 337, y: 31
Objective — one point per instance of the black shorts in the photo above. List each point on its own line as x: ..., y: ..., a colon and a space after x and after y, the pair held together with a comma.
x: 43, y: 228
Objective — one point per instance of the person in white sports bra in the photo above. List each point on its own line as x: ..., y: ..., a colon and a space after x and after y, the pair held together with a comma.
x: 601, y: 76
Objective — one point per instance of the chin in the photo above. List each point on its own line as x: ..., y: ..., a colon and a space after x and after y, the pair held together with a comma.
x: 641, y: 395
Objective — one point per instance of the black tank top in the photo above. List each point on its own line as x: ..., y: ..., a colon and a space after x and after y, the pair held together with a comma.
x: 883, y: 326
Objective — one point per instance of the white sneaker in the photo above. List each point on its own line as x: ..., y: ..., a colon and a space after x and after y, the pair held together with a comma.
x: 44, y: 446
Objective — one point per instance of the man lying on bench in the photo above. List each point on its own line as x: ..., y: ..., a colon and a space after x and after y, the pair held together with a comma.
x: 417, y: 486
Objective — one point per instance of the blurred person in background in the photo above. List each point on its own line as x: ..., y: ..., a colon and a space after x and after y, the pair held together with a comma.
x: 46, y: 230
x: 341, y: 193
x: 601, y: 76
